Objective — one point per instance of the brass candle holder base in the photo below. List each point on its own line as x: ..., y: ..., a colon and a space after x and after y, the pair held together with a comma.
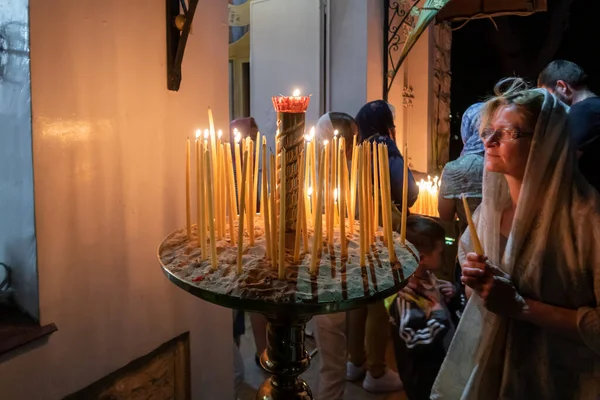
x: 285, y: 359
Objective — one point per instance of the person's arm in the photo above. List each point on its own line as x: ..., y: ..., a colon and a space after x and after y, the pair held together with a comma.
x: 396, y: 180
x: 446, y: 209
x: 501, y: 297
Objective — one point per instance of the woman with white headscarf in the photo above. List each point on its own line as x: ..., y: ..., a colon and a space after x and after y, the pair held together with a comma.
x: 531, y: 330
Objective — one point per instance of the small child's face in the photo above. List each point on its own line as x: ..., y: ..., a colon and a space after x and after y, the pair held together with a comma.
x: 433, y: 260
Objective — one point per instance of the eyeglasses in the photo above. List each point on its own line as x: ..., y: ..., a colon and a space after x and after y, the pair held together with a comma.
x: 503, y: 134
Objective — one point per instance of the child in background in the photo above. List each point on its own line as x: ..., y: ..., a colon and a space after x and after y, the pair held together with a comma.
x: 421, y: 322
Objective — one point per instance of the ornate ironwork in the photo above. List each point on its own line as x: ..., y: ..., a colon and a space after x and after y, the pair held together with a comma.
x: 399, y: 19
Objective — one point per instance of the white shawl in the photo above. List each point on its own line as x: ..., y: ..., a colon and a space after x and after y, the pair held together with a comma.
x: 552, y: 256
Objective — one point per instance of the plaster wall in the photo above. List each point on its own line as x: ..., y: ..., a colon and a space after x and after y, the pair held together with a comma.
x: 108, y: 161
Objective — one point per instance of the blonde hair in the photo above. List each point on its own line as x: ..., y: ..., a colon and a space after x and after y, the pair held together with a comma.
x: 513, y: 91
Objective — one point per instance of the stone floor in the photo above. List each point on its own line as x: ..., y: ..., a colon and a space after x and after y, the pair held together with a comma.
x: 254, y: 376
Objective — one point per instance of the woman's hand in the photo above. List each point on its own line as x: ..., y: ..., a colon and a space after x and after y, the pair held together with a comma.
x: 493, y: 285
x: 448, y: 290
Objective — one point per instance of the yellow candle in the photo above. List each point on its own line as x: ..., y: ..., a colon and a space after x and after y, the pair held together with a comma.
x: 265, y: 198
x: 327, y: 186
x: 238, y: 167
x: 273, y: 211
x: 376, y: 190
x: 216, y: 165
x: 230, y: 192
x: 250, y: 211
x: 385, y: 200
x: 299, y: 210
x: 361, y: 206
x: 313, y: 166
x: 282, y: 204
x: 343, y: 187
x: 404, y: 197
x: 388, y: 196
x: 472, y: 229
x: 211, y: 211
x: 369, y: 186
x: 318, y: 235
x: 240, y: 249
x: 201, y: 204
x: 334, y: 169
x: 353, y: 183
x: 188, y: 184
x: 255, y: 182
x: 307, y: 177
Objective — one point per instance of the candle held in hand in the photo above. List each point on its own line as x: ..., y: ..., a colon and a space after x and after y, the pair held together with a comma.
x: 472, y: 230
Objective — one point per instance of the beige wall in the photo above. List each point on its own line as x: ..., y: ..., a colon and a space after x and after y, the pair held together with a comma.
x: 108, y: 141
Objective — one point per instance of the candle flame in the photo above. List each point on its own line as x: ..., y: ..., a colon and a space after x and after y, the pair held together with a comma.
x: 205, y: 134
x: 219, y: 133
x: 335, y: 194
x: 296, y: 93
x: 309, y: 191
x: 238, y: 136
x: 325, y: 142
x: 335, y: 132
x: 198, y: 133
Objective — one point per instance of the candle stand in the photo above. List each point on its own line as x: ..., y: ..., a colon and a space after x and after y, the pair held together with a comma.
x: 286, y: 357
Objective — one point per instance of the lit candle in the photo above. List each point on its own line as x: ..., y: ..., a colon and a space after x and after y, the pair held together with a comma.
x: 240, y: 249
x: 250, y: 211
x: 188, y: 184
x: 318, y: 233
x: 343, y: 189
x: 334, y: 170
x: 204, y: 172
x: 221, y: 180
x: 238, y: 166
x: 230, y: 192
x: 472, y: 229
x: 388, y: 197
x: 353, y: 183
x: 282, y: 204
x: 265, y: 198
x: 201, y: 204
x: 404, y: 197
x: 211, y: 211
x: 336, y: 214
x: 369, y: 186
x: 216, y: 166
x: 385, y: 199
x: 362, y: 207
x: 327, y: 183
x: 255, y: 208
x: 376, y: 191
x: 313, y: 169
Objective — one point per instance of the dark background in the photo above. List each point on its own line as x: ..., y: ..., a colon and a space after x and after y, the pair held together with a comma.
x: 520, y: 46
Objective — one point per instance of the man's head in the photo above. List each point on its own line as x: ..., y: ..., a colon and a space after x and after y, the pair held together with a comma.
x: 563, y: 79
x: 429, y: 238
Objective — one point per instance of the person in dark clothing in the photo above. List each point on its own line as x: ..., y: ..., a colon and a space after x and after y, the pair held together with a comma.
x: 422, y: 322
x: 568, y: 82
x: 376, y: 124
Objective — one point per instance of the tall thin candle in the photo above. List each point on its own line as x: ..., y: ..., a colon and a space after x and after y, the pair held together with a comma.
x: 250, y: 211
x: 240, y: 249
x: 188, y: 189
x: 361, y: 207
x: 211, y: 211
x: 388, y: 197
x: 404, y: 197
x: 318, y: 234
x: 472, y: 229
x: 265, y: 198
x: 255, y: 182
x: 238, y: 167
x: 201, y: 193
x: 376, y: 190
x: 342, y: 203
x: 230, y: 192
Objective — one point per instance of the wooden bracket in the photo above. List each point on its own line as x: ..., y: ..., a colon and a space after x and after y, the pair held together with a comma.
x: 179, y: 23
